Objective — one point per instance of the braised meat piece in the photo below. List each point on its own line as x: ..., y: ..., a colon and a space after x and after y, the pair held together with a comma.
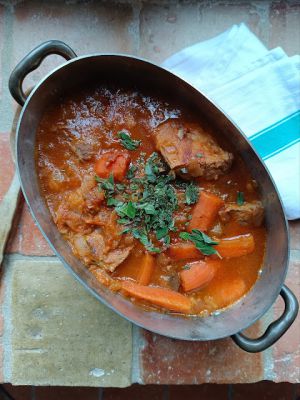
x: 250, y: 214
x: 97, y: 248
x: 84, y: 151
x: 191, y: 151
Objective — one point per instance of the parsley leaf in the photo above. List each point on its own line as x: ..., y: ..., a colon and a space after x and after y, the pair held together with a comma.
x: 202, y: 241
x: 126, y: 210
x: 131, y: 171
x: 142, y: 236
x: 108, y: 185
x: 240, y: 199
x: 127, y: 142
x: 191, y: 194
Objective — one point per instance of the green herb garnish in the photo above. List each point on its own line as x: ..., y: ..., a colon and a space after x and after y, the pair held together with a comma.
x: 126, y: 210
x: 240, y: 199
x: 202, y: 242
x: 131, y: 171
x: 142, y: 236
x: 127, y: 142
x: 185, y: 267
x: 191, y: 194
x: 108, y: 185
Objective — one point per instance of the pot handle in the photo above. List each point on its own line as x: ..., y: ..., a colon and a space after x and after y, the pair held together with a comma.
x: 32, y: 61
x: 275, y: 330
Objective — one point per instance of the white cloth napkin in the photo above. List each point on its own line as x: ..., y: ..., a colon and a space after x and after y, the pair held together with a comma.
x: 260, y: 91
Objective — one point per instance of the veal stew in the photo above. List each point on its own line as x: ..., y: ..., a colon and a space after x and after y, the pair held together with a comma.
x: 153, y: 201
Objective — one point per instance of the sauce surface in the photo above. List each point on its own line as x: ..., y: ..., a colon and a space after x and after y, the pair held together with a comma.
x: 87, y: 173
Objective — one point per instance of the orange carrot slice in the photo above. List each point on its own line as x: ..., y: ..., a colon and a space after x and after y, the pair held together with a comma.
x: 198, y: 275
x: 165, y: 298
x: 236, y: 246
x: 229, y: 292
x: 205, y: 211
x: 183, y: 251
x: 146, y: 269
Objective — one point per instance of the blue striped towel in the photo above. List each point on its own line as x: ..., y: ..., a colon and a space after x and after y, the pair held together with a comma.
x: 260, y: 90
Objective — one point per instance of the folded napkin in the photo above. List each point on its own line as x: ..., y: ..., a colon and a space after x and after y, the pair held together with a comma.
x: 260, y: 91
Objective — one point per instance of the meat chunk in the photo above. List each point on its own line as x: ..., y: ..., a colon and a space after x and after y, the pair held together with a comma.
x: 191, y: 151
x: 247, y: 214
x: 94, y: 248
x: 84, y: 151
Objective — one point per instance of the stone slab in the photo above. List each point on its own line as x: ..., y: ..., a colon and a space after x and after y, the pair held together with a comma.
x: 60, y: 334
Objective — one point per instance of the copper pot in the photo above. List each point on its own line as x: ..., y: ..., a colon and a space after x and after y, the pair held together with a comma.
x: 123, y: 69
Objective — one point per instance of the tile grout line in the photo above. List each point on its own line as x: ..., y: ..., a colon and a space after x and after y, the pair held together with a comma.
x: 263, y: 11
x: 230, y: 390
x: 134, y: 26
x: 267, y: 355
x: 166, y: 392
x: 138, y: 344
x: 33, y: 393
x: 22, y: 257
x: 6, y: 63
x: 6, y: 310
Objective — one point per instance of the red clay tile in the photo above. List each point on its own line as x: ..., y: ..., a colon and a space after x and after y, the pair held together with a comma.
x: 1, y: 41
x: 1, y: 363
x: 25, y: 237
x: 263, y: 391
x: 7, y: 165
x: 88, y: 27
x: 286, y: 352
x: 204, y: 20
x: 66, y: 393
x: 18, y: 392
x: 284, y: 22
x: 294, y: 227
x: 135, y: 392
x: 169, y: 361
x: 198, y: 392
x: 297, y: 391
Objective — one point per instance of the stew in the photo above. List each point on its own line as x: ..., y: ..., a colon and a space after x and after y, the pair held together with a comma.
x: 153, y: 201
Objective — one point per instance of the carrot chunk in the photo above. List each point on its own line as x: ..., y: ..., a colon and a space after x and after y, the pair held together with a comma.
x: 183, y: 251
x: 165, y: 298
x: 112, y: 163
x: 198, y: 275
x: 229, y: 292
x: 236, y: 246
x: 146, y: 269
x: 205, y: 211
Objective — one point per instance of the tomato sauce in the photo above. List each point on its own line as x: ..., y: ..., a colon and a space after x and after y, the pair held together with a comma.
x: 74, y: 133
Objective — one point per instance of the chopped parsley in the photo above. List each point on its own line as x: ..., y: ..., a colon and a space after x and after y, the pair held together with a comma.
x: 149, y: 210
x: 202, y: 241
x: 142, y: 236
x: 240, y: 199
x: 191, y: 194
x: 108, y: 185
x: 127, y: 142
x: 131, y: 171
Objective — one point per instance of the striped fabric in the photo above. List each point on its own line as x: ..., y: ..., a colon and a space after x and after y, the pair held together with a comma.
x: 260, y: 91
x: 277, y: 137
